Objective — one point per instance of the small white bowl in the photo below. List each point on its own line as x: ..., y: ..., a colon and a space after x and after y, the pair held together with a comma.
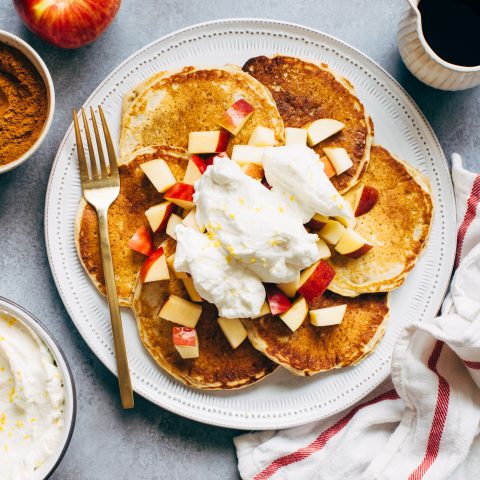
x: 16, y: 311
x: 16, y: 42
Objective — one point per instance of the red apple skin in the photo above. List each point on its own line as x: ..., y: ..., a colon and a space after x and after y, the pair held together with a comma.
x: 168, y: 212
x: 142, y: 241
x: 266, y: 184
x: 210, y: 158
x: 223, y: 139
x: 149, y: 262
x: 277, y: 300
x: 359, y: 252
x: 237, y: 114
x: 184, y: 336
x: 317, y: 282
x: 368, y: 199
x: 315, y: 225
x: 199, y: 162
x: 180, y: 191
x: 67, y: 23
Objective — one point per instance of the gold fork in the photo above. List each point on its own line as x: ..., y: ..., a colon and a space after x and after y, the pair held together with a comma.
x: 100, y: 189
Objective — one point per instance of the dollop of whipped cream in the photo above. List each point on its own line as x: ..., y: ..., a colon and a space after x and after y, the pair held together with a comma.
x: 297, y: 172
x: 31, y: 401
x: 258, y: 227
x: 219, y: 279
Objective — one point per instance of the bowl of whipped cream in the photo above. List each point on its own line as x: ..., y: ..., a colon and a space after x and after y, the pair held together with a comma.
x: 37, y: 397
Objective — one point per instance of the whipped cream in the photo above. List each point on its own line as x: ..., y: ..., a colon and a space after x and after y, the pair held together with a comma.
x: 260, y: 228
x: 217, y: 277
x: 31, y: 401
x: 297, y: 172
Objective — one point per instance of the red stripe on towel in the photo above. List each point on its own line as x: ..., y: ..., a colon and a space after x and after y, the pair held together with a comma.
x: 471, y: 365
x: 468, y: 218
x: 439, y: 417
x: 321, y: 440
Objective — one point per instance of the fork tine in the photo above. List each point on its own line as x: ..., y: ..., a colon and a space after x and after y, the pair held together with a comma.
x: 112, y: 157
x: 103, y: 166
x: 91, y: 151
x: 82, y: 161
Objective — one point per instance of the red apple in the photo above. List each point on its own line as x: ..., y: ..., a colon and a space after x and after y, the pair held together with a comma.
x: 158, y: 216
x: 142, y: 241
x: 210, y: 158
x: 67, y: 23
x: 195, y: 169
x: 236, y: 116
x: 181, y: 194
x: 208, y: 142
x: 277, y: 300
x: 185, y: 341
x: 317, y: 282
x: 155, y: 267
x: 365, y: 199
x: 352, y: 244
x: 317, y: 222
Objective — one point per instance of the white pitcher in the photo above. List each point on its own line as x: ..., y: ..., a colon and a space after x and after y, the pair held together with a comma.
x: 424, y: 63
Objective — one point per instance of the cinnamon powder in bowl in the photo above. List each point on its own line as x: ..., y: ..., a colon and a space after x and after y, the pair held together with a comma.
x: 26, y: 101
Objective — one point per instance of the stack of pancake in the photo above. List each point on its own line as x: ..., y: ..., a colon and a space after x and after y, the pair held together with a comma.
x: 157, y: 117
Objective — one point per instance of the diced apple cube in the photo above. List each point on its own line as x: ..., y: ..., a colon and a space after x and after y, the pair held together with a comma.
x: 247, y: 154
x: 339, y: 158
x: 295, y: 316
x: 265, y: 310
x: 317, y: 222
x: 252, y: 170
x: 365, y: 199
x: 190, y: 221
x: 322, y: 129
x: 290, y: 288
x: 208, y: 142
x: 315, y: 280
x: 190, y: 288
x: 195, y: 169
x: 323, y: 249
x: 277, y: 300
x: 186, y: 342
x: 262, y: 137
x: 155, y: 267
x: 352, y: 244
x: 328, y: 167
x: 347, y: 222
x: 181, y: 194
x: 332, y: 232
x: 233, y: 329
x: 236, y: 116
x: 173, y: 221
x: 142, y: 241
x: 324, y: 317
x: 158, y: 216
x: 295, y: 136
x: 159, y: 173
x: 181, y: 311
x: 171, y: 264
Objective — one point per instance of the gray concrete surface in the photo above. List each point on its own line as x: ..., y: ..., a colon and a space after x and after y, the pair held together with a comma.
x: 148, y: 442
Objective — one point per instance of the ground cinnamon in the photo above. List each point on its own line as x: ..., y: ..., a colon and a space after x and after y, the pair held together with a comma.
x: 23, y: 104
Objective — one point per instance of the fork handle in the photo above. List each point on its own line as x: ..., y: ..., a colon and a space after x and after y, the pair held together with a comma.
x: 124, y: 382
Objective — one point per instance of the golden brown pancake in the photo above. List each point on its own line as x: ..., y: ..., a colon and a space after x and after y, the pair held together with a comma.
x: 310, y: 350
x: 219, y: 366
x: 305, y: 92
x: 398, y: 226
x: 167, y: 107
x: 125, y: 216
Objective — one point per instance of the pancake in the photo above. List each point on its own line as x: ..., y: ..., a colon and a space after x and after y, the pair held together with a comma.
x: 165, y: 108
x: 218, y: 366
x: 398, y: 226
x: 310, y: 350
x: 305, y: 92
x: 125, y: 216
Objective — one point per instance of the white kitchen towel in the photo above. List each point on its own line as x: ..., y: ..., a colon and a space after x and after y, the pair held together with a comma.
x: 425, y: 425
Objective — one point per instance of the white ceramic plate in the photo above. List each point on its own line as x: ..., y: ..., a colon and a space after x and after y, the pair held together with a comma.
x: 282, y: 400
